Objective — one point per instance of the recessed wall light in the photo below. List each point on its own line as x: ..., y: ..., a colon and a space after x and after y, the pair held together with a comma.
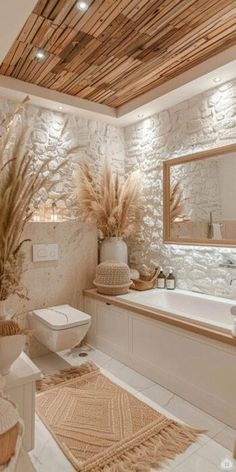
x: 217, y: 79
x: 41, y: 55
x: 82, y: 6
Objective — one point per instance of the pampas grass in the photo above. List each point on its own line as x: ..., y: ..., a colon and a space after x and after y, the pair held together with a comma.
x: 20, y: 181
x: 176, y: 202
x: 114, y: 206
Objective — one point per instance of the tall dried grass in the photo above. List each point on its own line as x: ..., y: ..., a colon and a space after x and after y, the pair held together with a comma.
x: 176, y: 202
x: 20, y: 180
x: 114, y: 206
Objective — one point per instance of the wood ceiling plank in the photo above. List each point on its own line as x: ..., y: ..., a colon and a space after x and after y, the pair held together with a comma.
x: 62, y: 13
x: 39, y: 7
x: 177, y: 69
x: 117, y: 50
x: 110, y: 15
x: 60, y: 42
x: 27, y: 28
x: 49, y: 7
x: 204, y: 27
x: 166, y: 16
x: 79, y: 21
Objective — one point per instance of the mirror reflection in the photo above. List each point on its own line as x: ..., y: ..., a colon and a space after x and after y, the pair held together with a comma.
x: 202, y: 199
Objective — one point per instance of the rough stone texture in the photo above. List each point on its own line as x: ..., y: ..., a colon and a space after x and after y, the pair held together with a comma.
x: 53, y: 283
x: 99, y: 140
x: 203, y: 122
x: 200, y: 189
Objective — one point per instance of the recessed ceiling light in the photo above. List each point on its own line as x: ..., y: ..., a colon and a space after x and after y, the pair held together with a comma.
x: 60, y: 108
x: 82, y: 6
x: 40, y: 54
x: 217, y: 79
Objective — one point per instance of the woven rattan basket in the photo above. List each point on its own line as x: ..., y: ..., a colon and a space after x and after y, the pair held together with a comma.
x: 9, y: 430
x: 112, y: 278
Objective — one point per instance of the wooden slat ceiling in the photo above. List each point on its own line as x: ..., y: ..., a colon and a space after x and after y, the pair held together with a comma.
x: 118, y: 49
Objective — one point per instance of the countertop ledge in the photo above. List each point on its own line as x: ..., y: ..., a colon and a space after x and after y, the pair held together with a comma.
x: 23, y: 371
x: 164, y: 317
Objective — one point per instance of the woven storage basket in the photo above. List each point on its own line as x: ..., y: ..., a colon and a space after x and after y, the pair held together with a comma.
x: 112, y: 278
x: 9, y: 430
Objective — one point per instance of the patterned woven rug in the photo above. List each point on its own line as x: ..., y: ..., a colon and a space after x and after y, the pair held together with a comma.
x: 101, y: 427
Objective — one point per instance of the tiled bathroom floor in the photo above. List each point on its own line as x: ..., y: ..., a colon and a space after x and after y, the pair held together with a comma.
x: 212, y: 453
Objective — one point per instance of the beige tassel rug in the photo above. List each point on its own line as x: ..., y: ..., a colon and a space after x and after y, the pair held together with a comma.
x: 101, y: 427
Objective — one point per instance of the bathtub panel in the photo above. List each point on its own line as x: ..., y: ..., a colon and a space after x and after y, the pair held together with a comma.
x: 199, y: 369
x: 112, y: 328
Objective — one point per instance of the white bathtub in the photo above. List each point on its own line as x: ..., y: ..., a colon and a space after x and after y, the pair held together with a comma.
x: 205, y: 310
x: 199, y: 364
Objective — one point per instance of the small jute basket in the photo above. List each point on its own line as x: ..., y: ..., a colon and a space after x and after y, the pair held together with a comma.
x: 112, y: 278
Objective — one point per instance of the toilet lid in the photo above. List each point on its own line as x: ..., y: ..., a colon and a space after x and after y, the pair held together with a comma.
x: 62, y: 317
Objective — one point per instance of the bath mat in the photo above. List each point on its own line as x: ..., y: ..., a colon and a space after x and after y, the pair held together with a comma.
x: 101, y: 427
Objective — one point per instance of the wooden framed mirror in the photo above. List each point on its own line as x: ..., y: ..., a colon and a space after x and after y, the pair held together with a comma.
x: 199, y: 193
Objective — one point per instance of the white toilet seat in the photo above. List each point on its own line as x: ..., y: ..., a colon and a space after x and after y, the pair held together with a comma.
x: 62, y: 317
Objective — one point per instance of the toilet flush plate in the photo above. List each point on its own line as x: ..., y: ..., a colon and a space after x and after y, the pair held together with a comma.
x: 45, y: 252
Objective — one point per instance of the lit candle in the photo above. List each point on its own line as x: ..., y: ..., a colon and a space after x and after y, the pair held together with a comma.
x: 54, y: 212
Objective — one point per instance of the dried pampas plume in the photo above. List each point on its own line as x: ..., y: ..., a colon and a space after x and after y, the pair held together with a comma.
x: 176, y: 202
x: 114, y: 206
x: 20, y: 180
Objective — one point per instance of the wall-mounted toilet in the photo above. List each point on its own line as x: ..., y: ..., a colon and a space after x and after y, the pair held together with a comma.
x: 59, y: 327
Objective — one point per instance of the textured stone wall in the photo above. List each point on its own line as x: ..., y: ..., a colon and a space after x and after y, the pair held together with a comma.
x: 62, y: 281
x: 203, y: 122
x: 200, y: 189
x: 46, y: 140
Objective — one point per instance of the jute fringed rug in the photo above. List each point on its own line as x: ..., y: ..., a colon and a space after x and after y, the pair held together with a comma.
x: 103, y: 428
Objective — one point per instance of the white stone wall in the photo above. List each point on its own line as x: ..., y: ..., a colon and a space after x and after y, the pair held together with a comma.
x: 99, y: 140
x: 204, y: 122
x: 200, y: 189
x: 52, y: 283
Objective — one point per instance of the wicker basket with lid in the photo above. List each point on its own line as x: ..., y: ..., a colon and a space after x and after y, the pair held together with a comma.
x: 112, y: 278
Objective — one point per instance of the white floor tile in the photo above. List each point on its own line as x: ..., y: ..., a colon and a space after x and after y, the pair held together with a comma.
x: 136, y: 380
x: 195, y: 463
x: 215, y: 453
x: 194, y: 416
x: 72, y: 356
x: 47, y: 455
x: 158, y: 394
x: 130, y: 376
x: 226, y: 438
x: 51, y: 363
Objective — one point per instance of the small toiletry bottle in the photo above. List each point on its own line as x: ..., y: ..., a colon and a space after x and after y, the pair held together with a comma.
x: 170, y: 280
x: 161, y: 279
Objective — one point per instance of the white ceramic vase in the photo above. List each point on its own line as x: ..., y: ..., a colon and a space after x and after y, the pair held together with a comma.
x: 10, y: 346
x: 114, y: 249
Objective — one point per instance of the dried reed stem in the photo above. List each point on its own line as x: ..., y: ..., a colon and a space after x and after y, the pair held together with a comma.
x: 20, y: 180
x: 114, y: 206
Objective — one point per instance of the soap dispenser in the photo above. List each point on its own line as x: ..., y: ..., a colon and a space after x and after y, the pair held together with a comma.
x: 170, y: 280
x: 161, y: 279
